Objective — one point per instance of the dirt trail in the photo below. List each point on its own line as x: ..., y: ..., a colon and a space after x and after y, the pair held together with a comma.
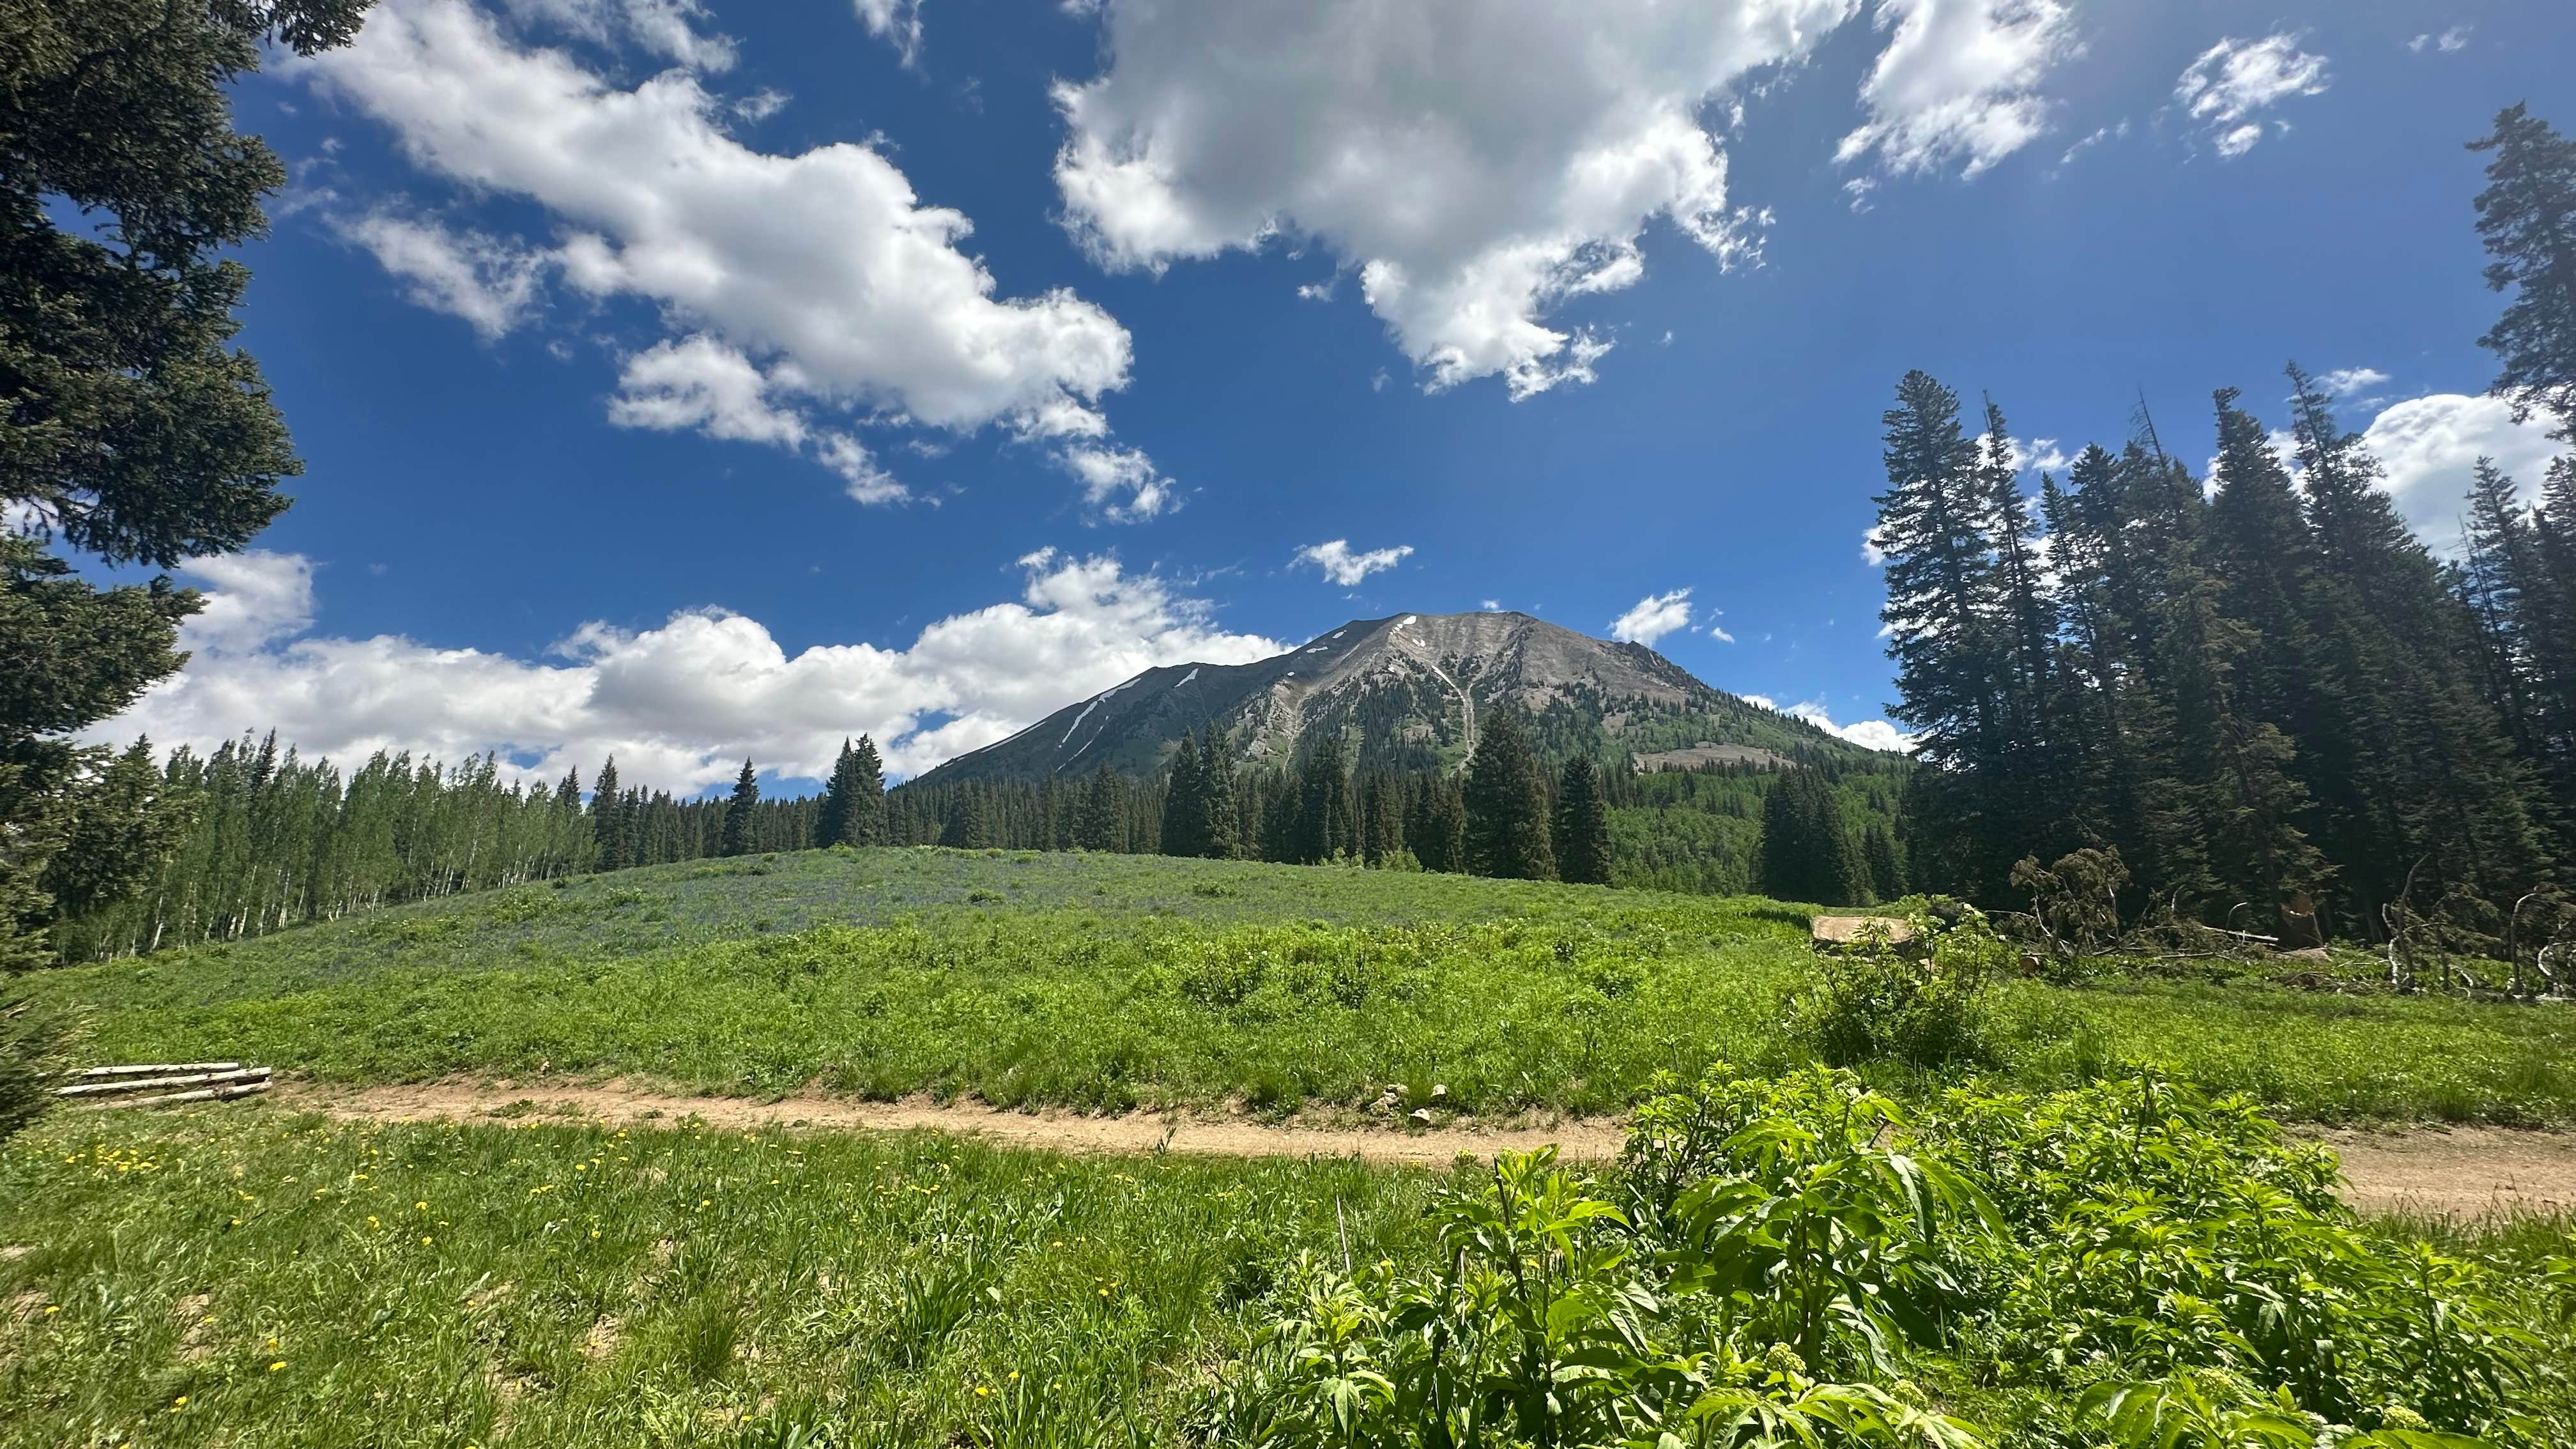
x: 1058, y: 1131
x: 2464, y: 1172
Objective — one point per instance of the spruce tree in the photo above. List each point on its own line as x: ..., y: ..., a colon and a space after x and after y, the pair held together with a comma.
x: 1103, y: 825
x: 1327, y: 816
x: 1886, y: 868
x: 1807, y: 849
x: 2527, y: 218
x: 1507, y: 824
x: 136, y: 432
x: 1219, y: 826
x: 832, y: 821
x: 864, y: 818
x: 1381, y: 819
x: 738, y: 818
x: 607, y: 819
x: 1582, y: 834
x: 1184, y: 802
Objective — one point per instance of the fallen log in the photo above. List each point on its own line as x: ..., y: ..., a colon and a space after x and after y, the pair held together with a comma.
x: 203, y: 1094
x: 118, y: 1087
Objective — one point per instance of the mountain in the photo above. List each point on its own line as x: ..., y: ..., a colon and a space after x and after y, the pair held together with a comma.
x: 1407, y: 691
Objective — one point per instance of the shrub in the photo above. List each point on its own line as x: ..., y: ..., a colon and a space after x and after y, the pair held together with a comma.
x: 2138, y: 1265
x: 29, y: 1038
x: 1925, y: 1003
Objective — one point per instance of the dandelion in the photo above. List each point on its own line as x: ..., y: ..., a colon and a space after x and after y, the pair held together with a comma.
x: 53, y: 1308
x: 281, y: 1363
x: 983, y: 1392
x: 424, y: 1242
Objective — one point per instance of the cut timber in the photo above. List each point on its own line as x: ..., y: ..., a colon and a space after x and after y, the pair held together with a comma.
x: 165, y: 1069
x: 120, y: 1087
x: 1848, y: 930
x: 205, y: 1094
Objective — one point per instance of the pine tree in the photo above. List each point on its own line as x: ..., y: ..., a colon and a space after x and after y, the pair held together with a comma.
x: 2527, y: 218
x: 136, y: 430
x: 864, y: 817
x: 1436, y: 825
x: 1582, y: 835
x: 1945, y: 627
x: 832, y: 822
x: 1219, y: 829
x: 1103, y: 825
x: 1327, y: 817
x: 1807, y: 849
x: 738, y: 818
x: 607, y: 818
x: 2502, y: 578
x: 1185, y: 802
x: 1507, y: 823
x: 1381, y: 820
x: 1886, y: 868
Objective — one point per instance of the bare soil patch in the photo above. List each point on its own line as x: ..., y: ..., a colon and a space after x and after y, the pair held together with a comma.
x: 1585, y: 1139
x: 2460, y: 1172
x: 2456, y: 1172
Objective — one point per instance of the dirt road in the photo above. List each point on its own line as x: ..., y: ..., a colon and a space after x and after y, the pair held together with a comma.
x: 2463, y: 1172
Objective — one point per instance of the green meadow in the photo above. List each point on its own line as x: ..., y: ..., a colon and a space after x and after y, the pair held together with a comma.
x: 1112, y: 983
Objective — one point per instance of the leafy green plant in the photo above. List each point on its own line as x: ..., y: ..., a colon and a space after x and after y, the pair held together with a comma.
x: 1551, y: 1322
x: 1925, y: 1001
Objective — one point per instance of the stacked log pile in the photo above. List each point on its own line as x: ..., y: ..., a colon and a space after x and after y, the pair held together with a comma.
x: 164, y: 1085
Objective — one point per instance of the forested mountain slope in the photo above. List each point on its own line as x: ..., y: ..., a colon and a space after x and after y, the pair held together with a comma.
x: 1405, y: 692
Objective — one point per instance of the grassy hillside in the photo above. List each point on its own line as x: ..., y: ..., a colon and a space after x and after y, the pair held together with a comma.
x: 1114, y: 982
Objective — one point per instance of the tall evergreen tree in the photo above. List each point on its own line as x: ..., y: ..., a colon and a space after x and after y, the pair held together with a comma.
x: 1582, y: 835
x: 863, y: 819
x: 2527, y: 217
x: 1886, y: 867
x: 136, y: 432
x: 1381, y: 819
x: 1807, y: 849
x: 1219, y: 830
x: 1185, y: 802
x: 1327, y: 816
x: 607, y: 818
x: 831, y: 823
x: 1103, y: 825
x: 1436, y: 824
x: 1507, y: 825
x: 738, y: 839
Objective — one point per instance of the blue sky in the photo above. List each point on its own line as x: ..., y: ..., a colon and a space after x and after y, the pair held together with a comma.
x: 698, y: 380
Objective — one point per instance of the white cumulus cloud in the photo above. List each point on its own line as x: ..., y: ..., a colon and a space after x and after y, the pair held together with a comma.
x: 1959, y: 82
x: 823, y: 270
x: 1869, y: 734
x: 679, y: 704
x: 2429, y: 445
x: 490, y: 283
x: 2232, y: 82
x: 1475, y: 165
x: 1653, y: 617
x: 1347, y: 566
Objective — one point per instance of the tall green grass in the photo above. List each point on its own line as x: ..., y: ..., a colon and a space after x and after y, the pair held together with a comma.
x: 252, y: 1276
x: 1115, y: 982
